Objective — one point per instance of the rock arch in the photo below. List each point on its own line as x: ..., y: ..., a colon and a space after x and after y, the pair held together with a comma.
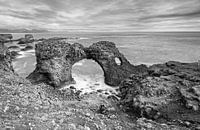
x: 55, y: 59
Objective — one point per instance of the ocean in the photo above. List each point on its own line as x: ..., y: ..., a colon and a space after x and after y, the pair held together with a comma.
x: 138, y: 48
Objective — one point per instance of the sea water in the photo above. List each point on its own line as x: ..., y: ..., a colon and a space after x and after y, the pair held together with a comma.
x: 138, y: 48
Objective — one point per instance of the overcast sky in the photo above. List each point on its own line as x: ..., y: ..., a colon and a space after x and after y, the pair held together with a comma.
x: 101, y: 15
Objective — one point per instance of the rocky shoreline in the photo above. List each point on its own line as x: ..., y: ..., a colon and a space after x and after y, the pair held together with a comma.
x: 162, y: 96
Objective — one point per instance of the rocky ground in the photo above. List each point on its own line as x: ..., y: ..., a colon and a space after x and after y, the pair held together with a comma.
x: 165, y: 96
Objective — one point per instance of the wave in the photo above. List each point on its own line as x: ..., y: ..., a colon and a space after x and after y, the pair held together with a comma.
x: 83, y: 38
x: 88, y: 84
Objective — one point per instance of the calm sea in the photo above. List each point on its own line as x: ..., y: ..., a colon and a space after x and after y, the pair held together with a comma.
x: 147, y: 48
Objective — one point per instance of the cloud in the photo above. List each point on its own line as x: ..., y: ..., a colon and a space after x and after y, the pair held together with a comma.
x: 101, y: 15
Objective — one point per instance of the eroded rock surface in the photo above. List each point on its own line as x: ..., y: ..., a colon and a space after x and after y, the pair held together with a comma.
x: 115, y: 66
x: 5, y: 58
x: 54, y: 62
x: 169, y: 92
x: 56, y: 57
x: 5, y: 37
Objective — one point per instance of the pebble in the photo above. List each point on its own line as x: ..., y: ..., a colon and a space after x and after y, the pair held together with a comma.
x: 6, y: 108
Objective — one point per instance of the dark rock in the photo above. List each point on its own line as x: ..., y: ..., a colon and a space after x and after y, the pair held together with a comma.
x: 54, y: 62
x: 105, y: 53
x: 27, y: 48
x: 14, y: 54
x: 72, y: 87
x: 184, y: 71
x: 28, y: 39
x: 191, y: 97
x: 165, y: 93
x: 5, y: 59
x: 113, y: 98
x: 5, y: 37
x: 144, y: 94
x: 102, y: 110
x: 13, y: 47
x: 100, y: 90
x: 22, y: 41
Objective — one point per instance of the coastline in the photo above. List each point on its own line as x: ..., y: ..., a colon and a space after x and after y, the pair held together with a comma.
x: 41, y: 106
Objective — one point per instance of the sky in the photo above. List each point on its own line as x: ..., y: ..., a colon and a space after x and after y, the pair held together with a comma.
x: 101, y: 15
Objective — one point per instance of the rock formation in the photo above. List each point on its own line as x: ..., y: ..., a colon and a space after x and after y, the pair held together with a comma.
x: 54, y: 62
x: 55, y: 59
x: 5, y: 37
x: 106, y: 54
x: 170, y: 91
x: 5, y: 59
x: 27, y: 39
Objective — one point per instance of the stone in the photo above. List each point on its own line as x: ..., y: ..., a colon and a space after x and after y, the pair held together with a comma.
x: 27, y: 48
x: 5, y: 37
x: 191, y: 97
x: 54, y: 62
x: 5, y: 59
x: 143, y: 94
x: 27, y: 39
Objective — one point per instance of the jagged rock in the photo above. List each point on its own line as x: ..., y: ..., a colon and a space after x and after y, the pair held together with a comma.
x: 146, y: 95
x: 28, y: 39
x: 184, y: 71
x: 5, y: 37
x: 164, y: 92
x: 54, y: 62
x: 14, y: 54
x: 106, y: 54
x: 5, y: 59
x: 191, y: 97
x: 27, y: 48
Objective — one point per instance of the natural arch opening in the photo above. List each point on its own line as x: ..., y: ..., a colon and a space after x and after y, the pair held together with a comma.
x: 25, y: 63
x: 89, y: 77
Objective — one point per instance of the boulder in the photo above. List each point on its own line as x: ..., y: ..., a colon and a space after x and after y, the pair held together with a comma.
x: 14, y: 54
x: 54, y: 62
x: 29, y: 37
x: 191, y: 97
x: 5, y: 59
x: 5, y: 37
x: 13, y: 47
x: 115, y: 66
x: 27, y: 48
